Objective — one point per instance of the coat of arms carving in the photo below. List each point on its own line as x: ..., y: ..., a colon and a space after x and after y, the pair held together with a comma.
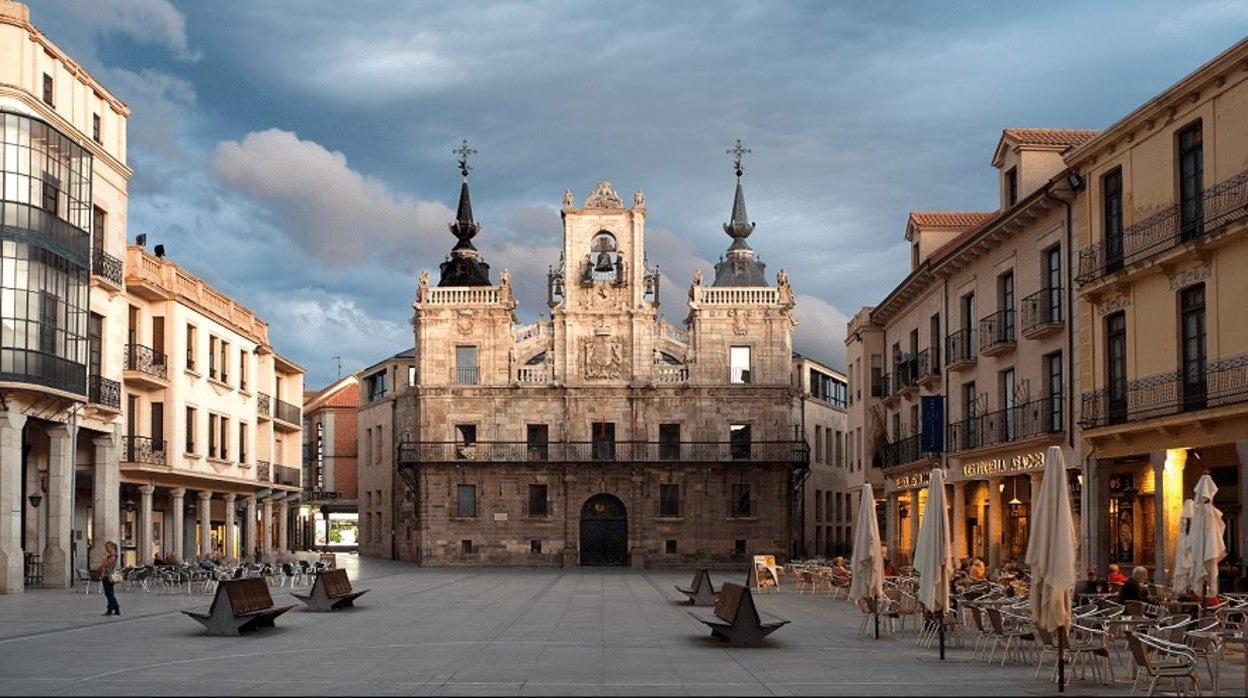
x: 602, y: 358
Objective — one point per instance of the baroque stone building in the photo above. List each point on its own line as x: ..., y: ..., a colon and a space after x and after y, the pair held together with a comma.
x: 602, y: 435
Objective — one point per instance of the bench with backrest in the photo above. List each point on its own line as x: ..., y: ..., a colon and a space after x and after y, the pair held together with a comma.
x: 239, y: 605
x: 736, y: 619
x: 700, y: 592
x: 330, y: 592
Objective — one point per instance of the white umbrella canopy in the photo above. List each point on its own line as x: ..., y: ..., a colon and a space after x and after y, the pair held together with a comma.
x: 867, y: 562
x: 933, y: 555
x: 1183, y: 549
x: 1205, y: 543
x: 1051, y: 547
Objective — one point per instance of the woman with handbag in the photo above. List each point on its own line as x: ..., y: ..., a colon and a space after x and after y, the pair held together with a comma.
x: 109, y: 575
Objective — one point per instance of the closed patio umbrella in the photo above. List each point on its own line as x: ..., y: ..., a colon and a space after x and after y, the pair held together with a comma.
x: 933, y: 555
x: 1183, y: 549
x: 867, y: 562
x: 1051, y: 555
x: 1205, y: 539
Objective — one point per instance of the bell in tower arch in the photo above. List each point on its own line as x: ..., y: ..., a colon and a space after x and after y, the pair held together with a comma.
x: 604, y: 264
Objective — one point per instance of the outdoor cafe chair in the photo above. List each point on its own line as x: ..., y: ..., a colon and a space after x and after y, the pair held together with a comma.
x: 1009, y: 631
x: 1205, y: 645
x: 88, y: 578
x: 1157, y: 659
x: 804, y: 580
x: 1091, y: 648
x: 869, y: 606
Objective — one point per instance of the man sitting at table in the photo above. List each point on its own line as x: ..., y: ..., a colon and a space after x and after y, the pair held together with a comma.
x: 1090, y: 584
x: 1134, y: 589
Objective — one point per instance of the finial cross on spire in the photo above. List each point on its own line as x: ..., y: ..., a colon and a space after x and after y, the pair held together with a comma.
x: 463, y: 151
x: 737, y: 152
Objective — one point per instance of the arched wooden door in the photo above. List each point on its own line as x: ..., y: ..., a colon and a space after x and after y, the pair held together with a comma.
x: 604, y: 532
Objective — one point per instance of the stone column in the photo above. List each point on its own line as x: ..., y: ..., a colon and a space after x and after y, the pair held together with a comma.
x: 892, y: 535
x: 1100, y: 533
x: 12, y: 564
x: 230, y: 543
x: 106, y: 507
x: 283, y: 516
x: 56, y: 562
x: 913, y: 524
x: 177, y: 497
x: 996, y: 523
x: 1169, y: 505
x: 249, y: 531
x: 959, y: 522
x: 266, y: 545
x: 205, y: 523
x: 144, y: 535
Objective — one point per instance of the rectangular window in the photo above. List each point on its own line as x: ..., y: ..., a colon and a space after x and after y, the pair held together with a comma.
x: 158, y: 426
x: 1116, y: 365
x: 970, y: 413
x: 1051, y: 299
x: 243, y: 355
x: 51, y: 193
x: 95, y: 341
x: 1005, y: 296
x: 1011, y: 186
x: 465, y: 546
x: 212, y: 356
x: 95, y: 128
x: 669, y: 501
x: 603, y: 440
x: 739, y: 364
x: 1054, y: 389
x: 225, y: 439
x: 375, y: 384
x: 465, y: 441
x: 670, y: 546
x: 411, y: 379
x: 968, y: 311
x: 1192, y: 308
x: 1009, y: 395
x: 466, y: 366
x: 99, y: 220
x: 669, y: 442
x: 212, y: 436
x: 1191, y: 181
x: 537, y: 501
x: 1111, y: 212
x: 537, y: 439
x: 535, y: 547
x: 819, y: 505
x: 191, y: 343
x: 47, y: 91
x: 739, y: 441
x: 225, y: 361
x: 467, y: 501
x: 191, y: 425
x: 242, y: 442
x: 738, y: 548
x: 739, y: 507
x: 818, y: 443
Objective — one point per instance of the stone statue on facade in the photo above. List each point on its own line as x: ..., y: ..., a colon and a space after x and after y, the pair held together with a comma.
x: 639, y: 199
x: 423, y: 290
x: 567, y: 198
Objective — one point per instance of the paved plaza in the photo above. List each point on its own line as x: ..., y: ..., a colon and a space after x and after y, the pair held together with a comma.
x: 476, y: 631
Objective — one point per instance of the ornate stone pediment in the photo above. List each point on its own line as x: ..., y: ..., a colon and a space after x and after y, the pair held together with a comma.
x: 1200, y: 272
x: 604, y: 197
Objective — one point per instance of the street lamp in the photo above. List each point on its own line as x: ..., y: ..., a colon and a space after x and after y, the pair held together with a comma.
x: 35, y: 500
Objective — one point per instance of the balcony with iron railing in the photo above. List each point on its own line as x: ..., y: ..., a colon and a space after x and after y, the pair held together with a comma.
x: 146, y: 366
x: 1218, y: 383
x: 107, y: 267
x: 879, y: 385
x: 1220, y: 205
x: 891, y: 391
x: 263, y: 471
x: 907, y: 374
x: 104, y: 392
x: 996, y: 333
x: 902, y: 452
x: 1042, y: 313
x: 143, y: 450
x: 960, y: 350
x: 264, y: 405
x: 286, y: 475
x: 467, y: 376
x: 927, y: 366
x: 589, y: 452
x: 1029, y: 420
x: 286, y: 415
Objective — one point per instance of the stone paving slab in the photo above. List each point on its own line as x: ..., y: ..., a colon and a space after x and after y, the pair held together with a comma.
x: 471, y: 631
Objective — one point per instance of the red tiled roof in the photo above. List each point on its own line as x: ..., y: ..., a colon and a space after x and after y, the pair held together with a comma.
x: 348, y: 396
x: 1049, y: 137
x: 950, y: 219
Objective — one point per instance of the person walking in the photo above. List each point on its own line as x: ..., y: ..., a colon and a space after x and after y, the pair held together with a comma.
x: 107, y: 566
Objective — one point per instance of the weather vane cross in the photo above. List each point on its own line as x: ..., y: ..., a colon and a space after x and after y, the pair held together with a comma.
x: 737, y: 152
x: 463, y: 151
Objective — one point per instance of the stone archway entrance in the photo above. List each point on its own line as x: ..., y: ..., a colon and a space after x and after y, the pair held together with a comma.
x: 604, y: 532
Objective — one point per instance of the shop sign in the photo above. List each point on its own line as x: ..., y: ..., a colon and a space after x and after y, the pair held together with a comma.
x: 1026, y: 461
x: 320, y: 495
x: 906, y: 482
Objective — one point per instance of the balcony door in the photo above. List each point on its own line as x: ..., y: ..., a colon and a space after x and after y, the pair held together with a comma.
x: 1052, y: 285
x: 1111, y: 192
x: 1009, y: 394
x: 1116, y: 366
x: 1191, y: 182
x: 1192, y: 303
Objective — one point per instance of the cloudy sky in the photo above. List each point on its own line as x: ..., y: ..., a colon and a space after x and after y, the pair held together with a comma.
x: 297, y: 154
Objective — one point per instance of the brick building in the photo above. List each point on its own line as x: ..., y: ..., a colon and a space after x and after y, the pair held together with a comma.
x: 330, y: 463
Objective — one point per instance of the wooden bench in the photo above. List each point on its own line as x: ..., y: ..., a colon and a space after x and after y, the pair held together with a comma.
x: 700, y: 592
x: 736, y: 619
x: 239, y: 605
x: 330, y: 592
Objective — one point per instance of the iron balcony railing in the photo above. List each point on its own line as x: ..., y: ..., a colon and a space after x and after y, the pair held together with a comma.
x: 1044, y: 307
x: 264, y: 404
x: 102, y: 391
x: 286, y: 411
x: 1221, y: 382
x: 927, y: 362
x: 143, y: 449
x: 146, y: 360
x: 263, y: 474
x: 1030, y: 419
x: 107, y: 266
x: 1220, y: 204
x: 907, y: 373
x: 960, y: 346
x: 286, y: 475
x: 996, y: 329
x: 796, y: 452
x: 879, y: 385
x: 902, y: 451
x: 467, y: 376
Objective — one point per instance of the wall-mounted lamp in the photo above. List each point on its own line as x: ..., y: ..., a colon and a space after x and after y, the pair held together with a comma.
x: 1075, y: 180
x: 35, y: 500
x: 129, y: 506
x: 1079, y: 477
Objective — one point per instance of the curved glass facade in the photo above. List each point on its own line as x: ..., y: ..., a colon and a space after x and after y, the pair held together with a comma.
x: 45, y: 223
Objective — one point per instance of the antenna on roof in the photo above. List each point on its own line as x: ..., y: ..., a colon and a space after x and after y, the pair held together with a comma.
x: 338, y: 363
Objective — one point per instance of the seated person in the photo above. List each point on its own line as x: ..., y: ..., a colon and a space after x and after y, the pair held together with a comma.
x: 840, y: 572
x: 1116, y: 576
x: 1090, y: 584
x: 1135, y: 588
x: 978, y: 571
x: 889, y: 570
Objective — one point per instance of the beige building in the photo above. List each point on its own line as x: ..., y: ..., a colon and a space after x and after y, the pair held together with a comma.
x: 830, y: 501
x: 602, y: 435
x: 1163, y: 341
x: 966, y: 363
x: 62, y: 310
x: 211, y: 451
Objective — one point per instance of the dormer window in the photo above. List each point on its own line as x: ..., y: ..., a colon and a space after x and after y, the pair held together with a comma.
x: 1011, y: 187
